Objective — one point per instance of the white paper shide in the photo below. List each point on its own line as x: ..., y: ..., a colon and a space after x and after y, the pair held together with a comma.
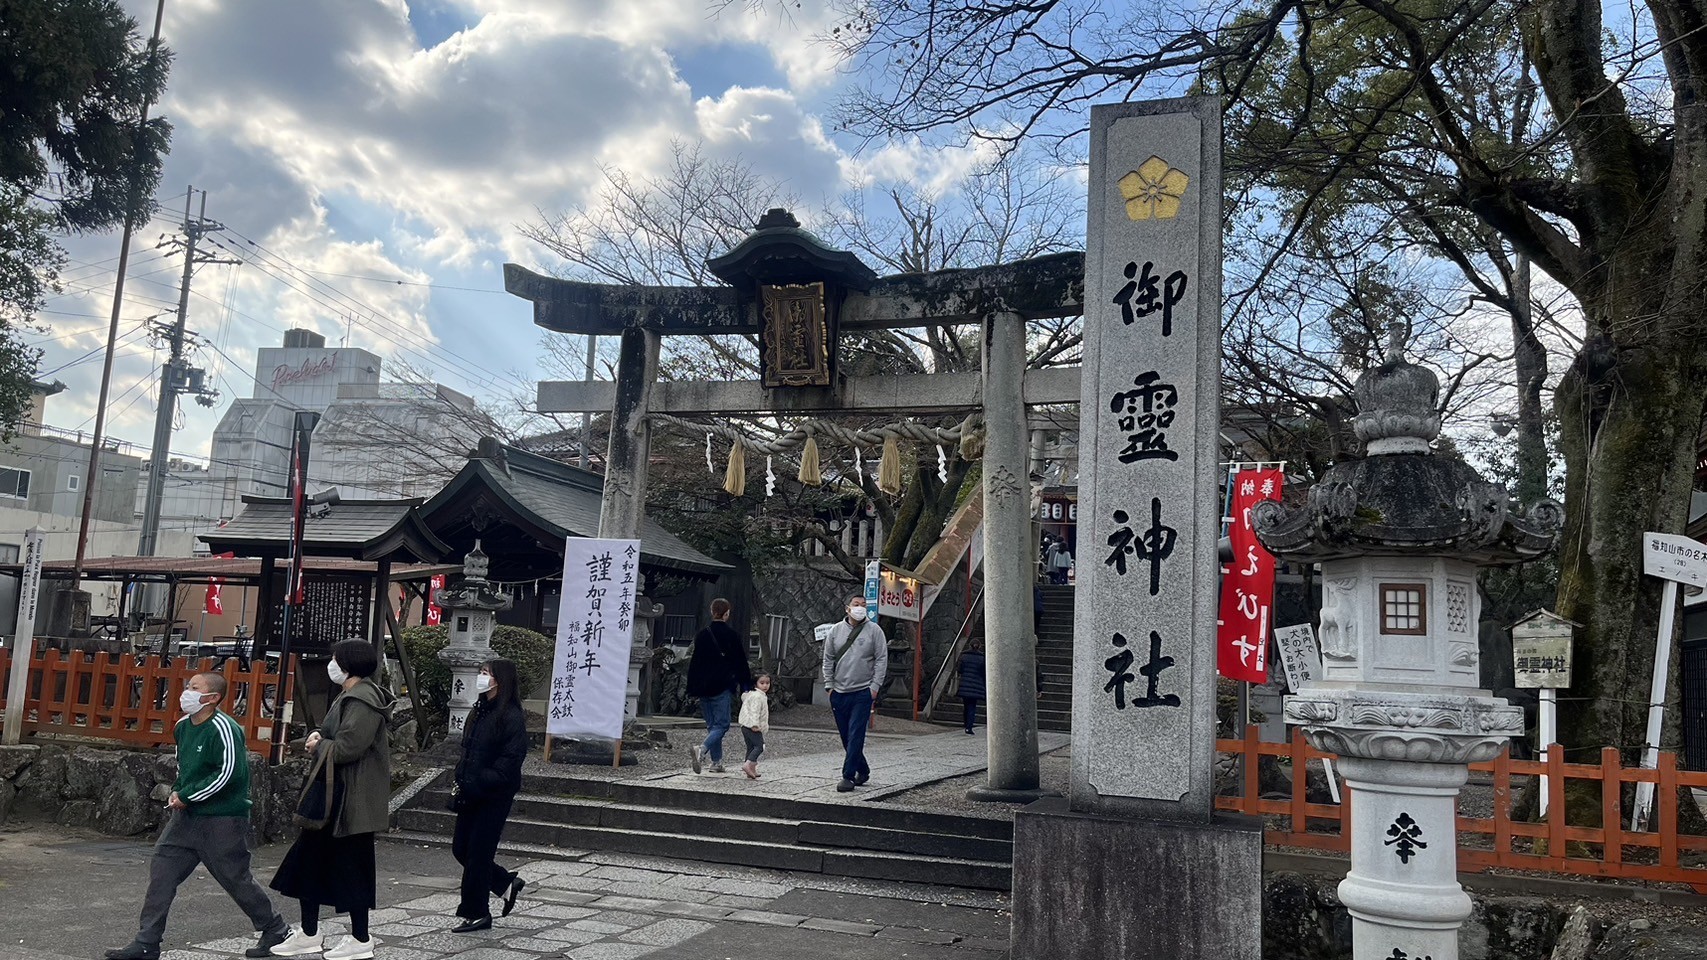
x: 595, y: 628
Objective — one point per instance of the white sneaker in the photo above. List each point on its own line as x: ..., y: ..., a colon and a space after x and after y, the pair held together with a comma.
x: 696, y: 751
x: 299, y: 944
x: 351, y: 949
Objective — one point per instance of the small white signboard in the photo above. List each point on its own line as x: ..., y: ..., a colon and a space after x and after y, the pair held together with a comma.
x: 898, y: 597
x: 1672, y: 557
x: 1298, y: 654
x: 1541, y: 651
x: 821, y: 633
x: 595, y: 628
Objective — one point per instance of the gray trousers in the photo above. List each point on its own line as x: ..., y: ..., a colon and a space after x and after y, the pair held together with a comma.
x: 221, y: 844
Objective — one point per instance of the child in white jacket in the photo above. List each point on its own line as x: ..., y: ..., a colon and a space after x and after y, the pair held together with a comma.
x: 755, y: 719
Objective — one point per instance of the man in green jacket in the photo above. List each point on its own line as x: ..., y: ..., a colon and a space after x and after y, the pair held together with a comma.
x: 209, y: 824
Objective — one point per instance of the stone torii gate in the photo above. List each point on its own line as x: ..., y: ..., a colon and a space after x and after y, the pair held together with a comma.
x: 799, y: 297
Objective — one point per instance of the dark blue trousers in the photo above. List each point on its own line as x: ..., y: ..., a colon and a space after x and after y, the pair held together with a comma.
x: 853, y: 714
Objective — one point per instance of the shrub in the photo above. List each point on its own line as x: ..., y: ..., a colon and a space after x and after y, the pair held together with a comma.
x: 529, y: 649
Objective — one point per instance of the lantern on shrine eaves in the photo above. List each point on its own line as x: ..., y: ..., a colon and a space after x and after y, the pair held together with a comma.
x: 796, y: 287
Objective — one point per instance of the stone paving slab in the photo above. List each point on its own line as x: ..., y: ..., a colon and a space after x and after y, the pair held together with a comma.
x: 581, y: 911
x: 896, y: 766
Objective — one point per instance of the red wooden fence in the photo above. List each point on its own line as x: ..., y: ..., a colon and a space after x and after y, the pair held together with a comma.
x: 121, y: 697
x: 1547, y: 846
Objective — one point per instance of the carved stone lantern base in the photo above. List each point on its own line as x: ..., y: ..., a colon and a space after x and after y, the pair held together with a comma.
x: 1404, y: 757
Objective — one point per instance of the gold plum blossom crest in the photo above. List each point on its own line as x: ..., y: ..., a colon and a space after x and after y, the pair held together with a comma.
x: 1153, y: 190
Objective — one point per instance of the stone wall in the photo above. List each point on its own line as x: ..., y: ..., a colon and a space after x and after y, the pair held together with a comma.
x: 1303, y: 919
x: 122, y: 792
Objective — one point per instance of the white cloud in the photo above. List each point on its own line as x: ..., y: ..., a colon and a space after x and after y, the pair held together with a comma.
x: 323, y: 131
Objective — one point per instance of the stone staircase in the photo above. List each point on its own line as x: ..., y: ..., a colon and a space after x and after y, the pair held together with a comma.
x: 1055, y: 659
x: 1054, y: 662
x: 572, y: 814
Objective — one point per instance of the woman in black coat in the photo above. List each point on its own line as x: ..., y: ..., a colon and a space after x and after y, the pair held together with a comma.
x: 494, y: 744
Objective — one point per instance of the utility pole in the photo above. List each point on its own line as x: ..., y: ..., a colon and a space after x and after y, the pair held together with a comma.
x: 79, y: 599
x: 176, y: 376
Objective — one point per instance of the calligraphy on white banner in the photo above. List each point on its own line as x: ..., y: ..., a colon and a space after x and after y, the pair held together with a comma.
x: 595, y: 628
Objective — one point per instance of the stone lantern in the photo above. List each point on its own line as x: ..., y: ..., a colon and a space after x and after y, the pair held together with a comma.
x: 470, y: 608
x: 1399, y: 534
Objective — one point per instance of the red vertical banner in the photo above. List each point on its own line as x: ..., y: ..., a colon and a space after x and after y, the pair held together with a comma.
x: 212, y: 604
x: 294, y: 592
x: 1247, y: 584
x: 435, y: 615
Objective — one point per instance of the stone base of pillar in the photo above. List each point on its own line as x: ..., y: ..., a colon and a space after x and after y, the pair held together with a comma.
x: 998, y: 795
x: 1088, y: 887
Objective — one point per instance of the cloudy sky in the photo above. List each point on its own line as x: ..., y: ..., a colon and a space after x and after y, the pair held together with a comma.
x: 350, y: 144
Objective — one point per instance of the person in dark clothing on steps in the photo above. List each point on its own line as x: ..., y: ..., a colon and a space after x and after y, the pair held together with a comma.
x: 494, y: 745
x: 972, y: 680
x: 209, y: 823
x: 717, y: 674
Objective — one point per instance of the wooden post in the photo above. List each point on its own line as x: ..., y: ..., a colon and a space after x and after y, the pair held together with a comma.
x: 918, y: 663
x: 1547, y: 732
x: 408, y: 674
x: 381, y: 604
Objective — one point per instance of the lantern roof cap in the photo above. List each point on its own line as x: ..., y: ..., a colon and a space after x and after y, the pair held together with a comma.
x: 1400, y: 498
x: 780, y: 251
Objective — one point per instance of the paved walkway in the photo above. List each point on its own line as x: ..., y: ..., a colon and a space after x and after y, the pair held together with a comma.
x: 613, y: 907
x: 897, y: 765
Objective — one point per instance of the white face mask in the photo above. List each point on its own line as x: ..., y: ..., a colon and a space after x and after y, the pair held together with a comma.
x: 336, y: 672
x: 190, y: 701
x: 857, y: 614
x: 482, y: 683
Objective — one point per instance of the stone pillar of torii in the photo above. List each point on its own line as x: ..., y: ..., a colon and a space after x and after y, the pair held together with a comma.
x: 799, y: 298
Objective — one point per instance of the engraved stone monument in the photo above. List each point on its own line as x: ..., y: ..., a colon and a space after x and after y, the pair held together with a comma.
x: 1134, y: 864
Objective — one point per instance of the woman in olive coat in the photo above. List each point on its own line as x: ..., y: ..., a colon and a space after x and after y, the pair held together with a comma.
x: 334, y: 866
x: 494, y: 744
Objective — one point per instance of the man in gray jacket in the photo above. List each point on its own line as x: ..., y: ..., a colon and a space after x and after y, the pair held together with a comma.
x: 856, y: 659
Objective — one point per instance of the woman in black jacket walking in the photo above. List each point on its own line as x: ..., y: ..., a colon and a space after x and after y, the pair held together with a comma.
x: 494, y: 744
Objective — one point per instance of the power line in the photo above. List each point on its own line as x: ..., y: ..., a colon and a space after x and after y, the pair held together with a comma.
x: 405, y: 283
x: 472, y: 372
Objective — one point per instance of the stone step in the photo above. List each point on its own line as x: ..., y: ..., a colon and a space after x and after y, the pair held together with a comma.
x: 572, y: 789
x: 815, y: 847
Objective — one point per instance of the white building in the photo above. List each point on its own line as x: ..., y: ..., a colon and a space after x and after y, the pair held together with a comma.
x: 375, y: 440
x: 43, y: 478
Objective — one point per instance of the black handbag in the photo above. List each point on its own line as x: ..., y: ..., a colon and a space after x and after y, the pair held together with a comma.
x: 456, y: 802
x: 316, y: 805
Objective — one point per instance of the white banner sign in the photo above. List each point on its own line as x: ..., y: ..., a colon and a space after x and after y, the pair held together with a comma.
x: 1672, y: 557
x: 29, y: 589
x: 595, y: 628
x: 1298, y: 654
x: 898, y: 597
